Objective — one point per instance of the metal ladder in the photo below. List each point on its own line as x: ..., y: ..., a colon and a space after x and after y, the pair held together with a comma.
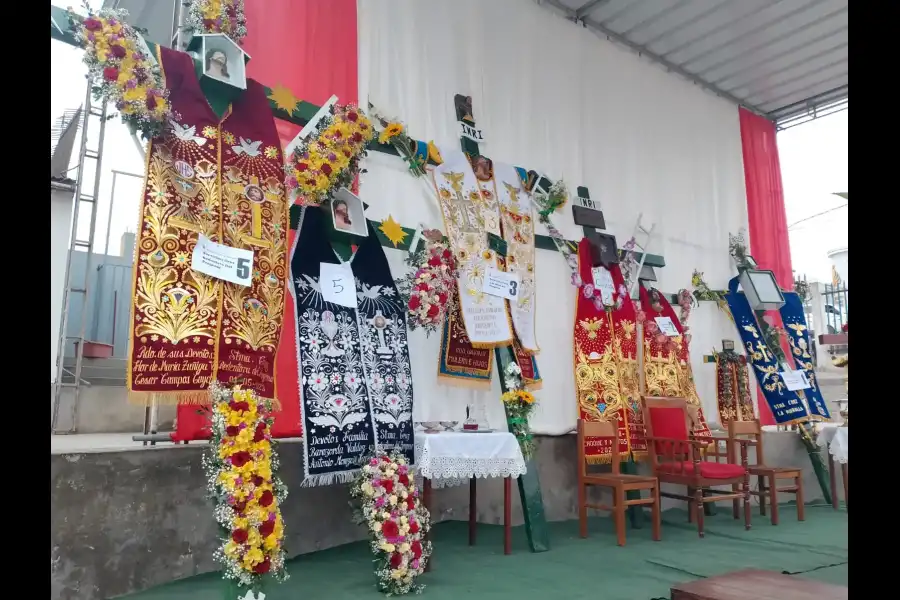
x: 647, y: 234
x: 84, y: 154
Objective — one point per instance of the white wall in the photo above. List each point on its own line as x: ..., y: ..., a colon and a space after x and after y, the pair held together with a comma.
x: 60, y: 228
x: 552, y: 96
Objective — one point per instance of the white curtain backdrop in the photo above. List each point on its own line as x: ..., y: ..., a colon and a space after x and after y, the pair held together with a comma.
x: 553, y: 97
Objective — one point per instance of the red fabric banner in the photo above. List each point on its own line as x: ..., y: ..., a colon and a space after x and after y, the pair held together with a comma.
x: 309, y: 47
x: 766, y: 215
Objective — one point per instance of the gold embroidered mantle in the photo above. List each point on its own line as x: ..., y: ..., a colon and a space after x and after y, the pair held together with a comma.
x: 221, y: 178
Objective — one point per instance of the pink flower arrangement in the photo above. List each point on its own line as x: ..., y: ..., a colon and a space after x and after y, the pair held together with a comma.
x: 432, y: 285
x: 388, y: 502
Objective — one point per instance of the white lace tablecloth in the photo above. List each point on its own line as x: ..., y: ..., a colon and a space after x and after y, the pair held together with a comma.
x: 453, y: 457
x: 837, y: 440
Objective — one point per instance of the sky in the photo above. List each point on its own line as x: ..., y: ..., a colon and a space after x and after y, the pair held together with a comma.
x: 813, y: 163
x: 814, y: 167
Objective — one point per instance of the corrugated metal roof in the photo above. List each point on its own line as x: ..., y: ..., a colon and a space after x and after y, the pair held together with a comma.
x: 779, y: 58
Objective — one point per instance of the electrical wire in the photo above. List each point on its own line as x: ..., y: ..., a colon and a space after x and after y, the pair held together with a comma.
x: 824, y: 212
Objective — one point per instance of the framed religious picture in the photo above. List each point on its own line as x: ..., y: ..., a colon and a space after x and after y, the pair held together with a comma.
x: 348, y: 213
x: 603, y: 247
x: 223, y: 60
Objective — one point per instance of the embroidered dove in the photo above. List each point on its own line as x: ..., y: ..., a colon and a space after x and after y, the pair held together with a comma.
x: 247, y: 147
x: 371, y: 293
x: 310, y: 282
x: 187, y: 134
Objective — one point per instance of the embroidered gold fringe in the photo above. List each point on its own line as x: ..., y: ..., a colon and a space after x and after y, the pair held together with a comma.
x: 193, y: 398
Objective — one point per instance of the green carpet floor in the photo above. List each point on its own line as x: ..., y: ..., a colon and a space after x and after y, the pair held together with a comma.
x: 574, y: 568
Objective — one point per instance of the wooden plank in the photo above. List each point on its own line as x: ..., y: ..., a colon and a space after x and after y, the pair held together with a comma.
x: 300, y: 115
x: 753, y: 584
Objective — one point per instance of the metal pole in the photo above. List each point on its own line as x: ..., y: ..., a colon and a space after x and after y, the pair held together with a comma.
x: 112, y: 198
x: 79, y: 355
x: 73, y: 237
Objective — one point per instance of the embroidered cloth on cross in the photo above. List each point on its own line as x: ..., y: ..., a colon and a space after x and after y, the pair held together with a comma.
x: 605, y: 356
x: 356, y: 387
x: 667, y: 361
x: 222, y: 178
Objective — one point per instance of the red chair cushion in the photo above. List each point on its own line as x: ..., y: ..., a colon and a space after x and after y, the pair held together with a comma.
x: 709, y: 470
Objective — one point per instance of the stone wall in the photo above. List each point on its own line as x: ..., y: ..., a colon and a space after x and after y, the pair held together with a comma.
x: 126, y: 521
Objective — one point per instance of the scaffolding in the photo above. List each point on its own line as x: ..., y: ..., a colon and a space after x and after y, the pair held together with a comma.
x: 88, y: 202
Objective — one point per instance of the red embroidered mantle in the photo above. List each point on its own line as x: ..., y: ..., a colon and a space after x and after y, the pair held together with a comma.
x: 605, y: 357
x: 667, y: 362
x: 223, y: 178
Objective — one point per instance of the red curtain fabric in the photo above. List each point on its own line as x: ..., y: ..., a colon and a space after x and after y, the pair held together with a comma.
x: 309, y: 47
x: 769, y: 242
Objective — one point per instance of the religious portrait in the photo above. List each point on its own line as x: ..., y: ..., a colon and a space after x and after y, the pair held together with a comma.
x: 222, y: 59
x: 347, y: 213
x: 216, y: 64
x: 254, y: 194
x: 483, y: 168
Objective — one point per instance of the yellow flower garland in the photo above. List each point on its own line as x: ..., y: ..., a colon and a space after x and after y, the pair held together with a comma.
x: 240, y: 466
x: 121, y: 71
x: 330, y: 159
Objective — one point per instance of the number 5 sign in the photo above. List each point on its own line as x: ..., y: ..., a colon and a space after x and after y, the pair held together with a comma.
x: 222, y: 262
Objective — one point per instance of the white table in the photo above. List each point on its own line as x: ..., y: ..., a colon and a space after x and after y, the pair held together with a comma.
x: 835, y: 439
x: 450, y: 457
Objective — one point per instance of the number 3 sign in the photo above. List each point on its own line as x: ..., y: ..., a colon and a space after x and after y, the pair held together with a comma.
x: 499, y: 283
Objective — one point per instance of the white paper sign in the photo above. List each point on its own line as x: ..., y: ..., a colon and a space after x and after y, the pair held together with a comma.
x: 500, y: 283
x: 795, y: 380
x: 337, y: 284
x: 222, y: 262
x: 467, y: 131
x: 604, y: 282
x: 666, y: 326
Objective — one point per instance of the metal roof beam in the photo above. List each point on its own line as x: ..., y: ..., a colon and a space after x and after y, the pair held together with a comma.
x: 583, y: 10
x: 836, y: 94
x: 816, y: 111
x: 830, y: 82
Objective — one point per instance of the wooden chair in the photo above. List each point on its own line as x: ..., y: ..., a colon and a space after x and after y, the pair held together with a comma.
x: 618, y: 482
x: 676, y: 458
x: 763, y: 473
